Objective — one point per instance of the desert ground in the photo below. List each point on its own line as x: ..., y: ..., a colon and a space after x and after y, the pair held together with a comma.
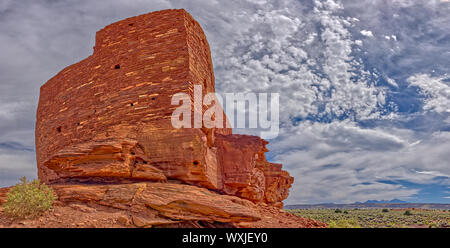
x: 378, y: 218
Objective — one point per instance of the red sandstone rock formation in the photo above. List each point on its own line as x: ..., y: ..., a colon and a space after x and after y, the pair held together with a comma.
x: 3, y: 194
x: 155, y: 204
x: 107, y: 120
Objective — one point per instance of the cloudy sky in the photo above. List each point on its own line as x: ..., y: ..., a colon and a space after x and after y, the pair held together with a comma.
x: 364, y: 85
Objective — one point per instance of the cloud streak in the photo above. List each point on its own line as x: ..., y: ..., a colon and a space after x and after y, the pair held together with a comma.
x: 341, y: 156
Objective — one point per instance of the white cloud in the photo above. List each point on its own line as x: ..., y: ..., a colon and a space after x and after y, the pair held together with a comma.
x: 433, y: 173
x: 277, y: 49
x: 341, y: 162
x: 367, y: 33
x: 392, y: 82
x: 435, y: 89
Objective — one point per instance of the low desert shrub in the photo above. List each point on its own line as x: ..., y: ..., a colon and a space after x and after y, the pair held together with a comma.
x: 385, y: 210
x: 407, y: 212
x: 28, y: 199
x: 338, y: 211
x: 344, y: 223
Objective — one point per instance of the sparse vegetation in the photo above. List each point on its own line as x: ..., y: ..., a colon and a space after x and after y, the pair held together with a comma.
x: 407, y: 212
x: 344, y: 223
x: 28, y: 199
x: 378, y: 218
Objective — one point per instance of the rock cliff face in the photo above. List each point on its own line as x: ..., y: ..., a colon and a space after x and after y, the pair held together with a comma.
x: 104, y: 133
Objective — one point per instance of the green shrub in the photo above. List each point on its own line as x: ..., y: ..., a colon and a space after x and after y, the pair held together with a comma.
x: 338, y: 211
x: 28, y: 199
x: 345, y: 212
x: 407, y: 212
x: 385, y: 210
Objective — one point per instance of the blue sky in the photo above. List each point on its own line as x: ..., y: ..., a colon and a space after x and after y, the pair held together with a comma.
x: 364, y: 85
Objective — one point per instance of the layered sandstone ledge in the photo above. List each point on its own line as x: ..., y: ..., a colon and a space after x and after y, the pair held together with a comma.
x: 155, y: 205
x: 104, y: 137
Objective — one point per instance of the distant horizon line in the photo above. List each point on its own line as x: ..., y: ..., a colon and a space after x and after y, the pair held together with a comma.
x: 394, y: 201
